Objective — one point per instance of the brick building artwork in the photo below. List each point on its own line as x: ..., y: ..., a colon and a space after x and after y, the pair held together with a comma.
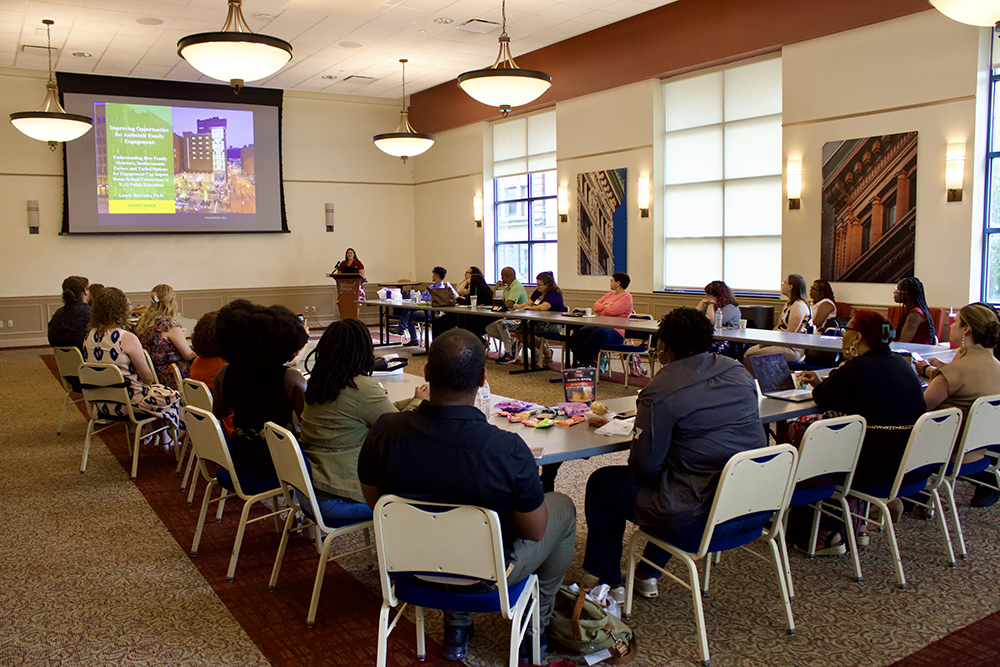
x: 869, y: 209
x: 602, y: 235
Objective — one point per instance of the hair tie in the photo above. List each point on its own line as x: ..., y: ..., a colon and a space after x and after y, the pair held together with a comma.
x: 156, y: 299
x: 886, y: 333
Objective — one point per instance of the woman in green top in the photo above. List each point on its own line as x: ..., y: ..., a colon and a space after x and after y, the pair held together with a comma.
x: 342, y: 403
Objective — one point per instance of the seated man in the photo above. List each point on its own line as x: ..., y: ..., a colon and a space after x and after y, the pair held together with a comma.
x: 698, y: 411
x: 513, y: 293
x: 410, y: 317
x: 68, y: 326
x: 445, y: 451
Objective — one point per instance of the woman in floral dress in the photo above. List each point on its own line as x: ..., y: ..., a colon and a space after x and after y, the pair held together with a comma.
x: 162, y: 337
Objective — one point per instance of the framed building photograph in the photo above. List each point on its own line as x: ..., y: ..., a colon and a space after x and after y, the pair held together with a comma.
x: 602, y: 236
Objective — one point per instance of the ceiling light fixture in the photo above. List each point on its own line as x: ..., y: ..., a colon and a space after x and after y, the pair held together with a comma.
x: 236, y: 53
x: 405, y: 141
x: 504, y: 85
x: 50, y: 122
x: 973, y: 12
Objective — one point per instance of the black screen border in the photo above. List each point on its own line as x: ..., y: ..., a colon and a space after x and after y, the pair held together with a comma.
x: 94, y: 84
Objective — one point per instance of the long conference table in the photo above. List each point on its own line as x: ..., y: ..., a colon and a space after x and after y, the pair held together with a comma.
x: 559, y: 443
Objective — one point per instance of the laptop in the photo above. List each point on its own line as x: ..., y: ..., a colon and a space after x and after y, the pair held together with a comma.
x: 776, y: 380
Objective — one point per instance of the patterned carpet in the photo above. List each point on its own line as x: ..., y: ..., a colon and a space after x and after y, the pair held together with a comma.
x: 96, y: 572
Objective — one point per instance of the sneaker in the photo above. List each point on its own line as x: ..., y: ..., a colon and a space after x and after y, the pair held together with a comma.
x: 412, y: 343
x: 524, y: 656
x: 984, y: 496
x: 618, y: 594
x: 506, y: 359
x: 396, y: 329
x: 646, y: 587
x: 456, y: 641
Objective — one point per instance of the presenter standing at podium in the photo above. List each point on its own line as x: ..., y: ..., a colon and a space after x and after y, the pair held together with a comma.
x: 351, y: 264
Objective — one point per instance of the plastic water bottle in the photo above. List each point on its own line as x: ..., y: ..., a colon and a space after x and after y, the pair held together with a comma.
x: 483, y: 397
x: 718, y: 319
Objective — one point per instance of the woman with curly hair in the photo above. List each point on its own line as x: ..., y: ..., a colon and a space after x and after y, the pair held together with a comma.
x: 342, y: 404
x: 719, y: 296
x: 255, y: 385
x: 109, y: 342
x: 163, y: 337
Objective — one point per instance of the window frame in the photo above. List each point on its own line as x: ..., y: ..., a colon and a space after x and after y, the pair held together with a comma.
x: 992, y: 162
x: 528, y: 203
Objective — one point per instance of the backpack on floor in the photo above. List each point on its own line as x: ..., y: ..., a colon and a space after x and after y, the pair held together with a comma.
x: 584, y: 627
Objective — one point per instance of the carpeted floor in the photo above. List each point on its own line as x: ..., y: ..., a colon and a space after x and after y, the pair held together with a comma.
x: 96, y: 572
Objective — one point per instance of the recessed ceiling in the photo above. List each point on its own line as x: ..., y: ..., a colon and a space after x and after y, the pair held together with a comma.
x: 117, y: 33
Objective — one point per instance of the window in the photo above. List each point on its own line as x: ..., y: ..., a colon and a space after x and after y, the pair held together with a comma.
x: 991, y: 238
x: 524, y: 194
x: 722, y: 178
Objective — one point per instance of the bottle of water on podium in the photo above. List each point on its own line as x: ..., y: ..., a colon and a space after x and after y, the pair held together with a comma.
x: 483, y: 397
x: 718, y: 319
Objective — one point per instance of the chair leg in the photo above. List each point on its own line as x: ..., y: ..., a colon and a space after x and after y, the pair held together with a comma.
x: 699, y: 612
x: 324, y: 558
x: 201, y: 518
x: 633, y: 545
x: 418, y: 617
x: 897, y: 562
x: 180, y: 456
x: 779, y: 568
x: 625, y: 359
x: 851, y: 539
x: 708, y: 572
x: 536, y: 626
x: 194, y: 478
x: 244, y: 515
x: 369, y: 552
x: 222, y: 505
x: 62, y: 415
x: 289, y: 520
x: 135, y: 452
x: 187, y: 470
x: 383, y: 635
x: 956, y: 523
x: 938, y: 507
x: 86, y: 447
x: 784, y: 557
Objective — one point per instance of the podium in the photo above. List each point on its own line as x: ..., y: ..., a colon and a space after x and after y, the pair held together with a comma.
x: 348, y: 286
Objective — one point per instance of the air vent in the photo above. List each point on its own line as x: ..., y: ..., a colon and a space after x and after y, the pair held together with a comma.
x: 40, y: 51
x: 359, y: 78
x: 478, y: 26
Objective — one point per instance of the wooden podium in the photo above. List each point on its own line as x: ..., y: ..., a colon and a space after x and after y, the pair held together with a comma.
x: 348, y: 286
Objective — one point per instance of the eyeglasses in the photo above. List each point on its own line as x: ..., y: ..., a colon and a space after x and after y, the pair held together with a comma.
x: 849, y: 329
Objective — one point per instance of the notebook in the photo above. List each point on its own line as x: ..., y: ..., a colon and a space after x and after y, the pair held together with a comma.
x: 776, y: 380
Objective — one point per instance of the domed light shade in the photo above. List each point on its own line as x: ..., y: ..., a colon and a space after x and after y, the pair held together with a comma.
x: 50, y: 122
x: 235, y: 54
x: 504, y: 85
x: 973, y: 12
x: 405, y: 142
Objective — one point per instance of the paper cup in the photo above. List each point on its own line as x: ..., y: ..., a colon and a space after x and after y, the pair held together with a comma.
x: 590, y: 312
x: 743, y: 324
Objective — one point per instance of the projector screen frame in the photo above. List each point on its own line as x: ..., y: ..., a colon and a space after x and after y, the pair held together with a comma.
x: 159, y: 89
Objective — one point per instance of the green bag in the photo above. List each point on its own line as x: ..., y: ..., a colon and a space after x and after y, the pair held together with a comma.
x: 584, y: 627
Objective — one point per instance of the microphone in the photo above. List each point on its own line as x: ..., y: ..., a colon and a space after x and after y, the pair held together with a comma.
x: 337, y: 266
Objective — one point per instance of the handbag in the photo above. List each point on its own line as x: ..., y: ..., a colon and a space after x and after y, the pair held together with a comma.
x: 583, y: 626
x: 442, y: 297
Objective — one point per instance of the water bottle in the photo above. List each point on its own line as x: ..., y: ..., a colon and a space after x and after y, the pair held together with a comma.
x: 483, y: 397
x: 718, y: 319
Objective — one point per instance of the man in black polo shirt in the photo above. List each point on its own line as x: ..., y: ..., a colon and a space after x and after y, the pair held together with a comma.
x: 446, y: 451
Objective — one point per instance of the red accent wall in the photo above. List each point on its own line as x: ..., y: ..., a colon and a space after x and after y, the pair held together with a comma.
x: 684, y: 35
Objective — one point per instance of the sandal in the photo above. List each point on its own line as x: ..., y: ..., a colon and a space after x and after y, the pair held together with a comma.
x: 834, y: 546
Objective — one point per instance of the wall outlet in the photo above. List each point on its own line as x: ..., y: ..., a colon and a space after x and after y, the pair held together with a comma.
x: 314, y: 309
x: 1, y: 324
x: 10, y: 323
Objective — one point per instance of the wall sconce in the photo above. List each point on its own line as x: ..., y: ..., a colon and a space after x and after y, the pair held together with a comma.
x: 644, y: 196
x: 954, y: 174
x: 477, y: 210
x: 793, y: 183
x: 563, y: 203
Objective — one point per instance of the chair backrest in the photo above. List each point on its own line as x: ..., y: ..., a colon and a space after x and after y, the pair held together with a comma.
x: 438, y: 539
x: 178, y: 375
x: 104, y: 383
x: 757, y: 480
x: 831, y: 446
x: 982, y: 429
x: 196, y: 394
x: 152, y: 368
x: 939, y: 316
x: 639, y: 335
x: 208, y: 442
x: 68, y: 361
x: 290, y: 467
x: 932, y: 440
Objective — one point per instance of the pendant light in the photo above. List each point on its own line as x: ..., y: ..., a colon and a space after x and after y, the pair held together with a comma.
x: 504, y: 85
x: 50, y: 122
x: 973, y: 12
x: 405, y: 141
x: 235, y: 54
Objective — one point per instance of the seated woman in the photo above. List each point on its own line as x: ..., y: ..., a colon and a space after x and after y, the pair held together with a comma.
x: 719, y: 296
x: 796, y: 317
x: 109, y: 342
x: 881, y: 387
x: 824, y: 304
x: 548, y: 297
x: 255, y: 386
x: 703, y: 409
x: 68, y: 325
x: 162, y: 337
x: 474, y: 284
x: 342, y: 404
x: 587, y: 342
x: 206, y: 365
x: 974, y: 372
x: 915, y: 324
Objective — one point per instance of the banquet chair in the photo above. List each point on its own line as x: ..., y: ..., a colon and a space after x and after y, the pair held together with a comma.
x: 152, y: 368
x: 198, y: 395
x: 103, y: 384
x: 210, y: 446
x: 927, y: 453
x: 424, y: 545
x: 625, y: 351
x: 753, y: 484
x: 178, y: 376
x: 293, y: 474
x: 68, y: 362
x: 829, y: 448
x: 982, y: 431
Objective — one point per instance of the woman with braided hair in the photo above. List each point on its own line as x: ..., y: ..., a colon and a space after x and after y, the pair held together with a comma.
x: 915, y: 324
x: 342, y: 404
